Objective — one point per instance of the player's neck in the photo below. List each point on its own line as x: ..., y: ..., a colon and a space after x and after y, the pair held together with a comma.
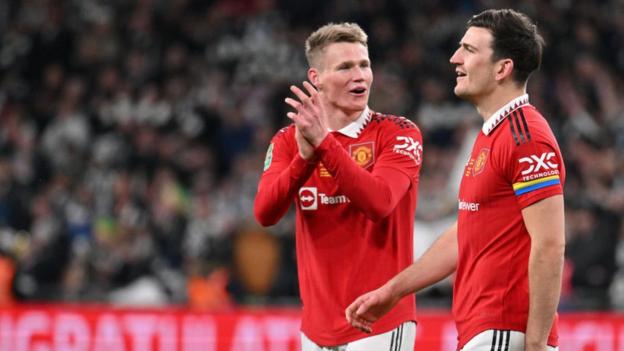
x: 338, y: 119
x: 497, y: 99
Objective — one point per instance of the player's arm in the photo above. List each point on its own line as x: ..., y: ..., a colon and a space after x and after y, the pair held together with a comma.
x: 536, y: 173
x: 285, y: 171
x: 437, y: 263
x: 544, y: 221
x: 375, y: 193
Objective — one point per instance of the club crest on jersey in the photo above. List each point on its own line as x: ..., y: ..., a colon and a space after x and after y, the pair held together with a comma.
x: 363, y: 153
x: 479, y: 164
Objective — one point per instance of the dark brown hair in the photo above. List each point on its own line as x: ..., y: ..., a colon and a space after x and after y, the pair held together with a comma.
x: 515, y: 37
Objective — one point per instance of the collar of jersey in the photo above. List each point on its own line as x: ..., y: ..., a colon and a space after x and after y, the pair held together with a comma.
x: 499, y: 116
x: 353, y: 129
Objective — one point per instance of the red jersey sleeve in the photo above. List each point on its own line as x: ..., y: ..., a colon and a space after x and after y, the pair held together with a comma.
x: 376, y: 193
x: 284, y: 173
x: 535, y: 167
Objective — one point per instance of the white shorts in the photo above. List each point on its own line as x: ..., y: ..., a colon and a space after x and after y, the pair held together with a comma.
x: 401, y: 338
x: 498, y: 340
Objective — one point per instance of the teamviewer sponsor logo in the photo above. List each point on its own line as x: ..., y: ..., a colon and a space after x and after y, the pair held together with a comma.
x: 308, y: 198
x: 468, y: 206
x: 333, y: 200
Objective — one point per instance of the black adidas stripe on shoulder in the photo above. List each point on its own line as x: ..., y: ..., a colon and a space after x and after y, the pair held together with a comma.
x: 519, y: 127
x: 526, y: 126
x: 402, y: 122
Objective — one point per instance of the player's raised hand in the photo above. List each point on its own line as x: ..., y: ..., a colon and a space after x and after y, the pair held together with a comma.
x: 368, y: 308
x: 310, y: 116
x: 306, y: 150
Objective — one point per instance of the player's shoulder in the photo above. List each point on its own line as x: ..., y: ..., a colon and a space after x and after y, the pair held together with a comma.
x: 525, y: 125
x: 288, y: 129
x: 285, y: 131
x: 533, y: 117
x: 393, y: 122
x: 284, y: 137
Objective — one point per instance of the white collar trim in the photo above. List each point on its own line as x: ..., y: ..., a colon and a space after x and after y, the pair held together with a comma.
x: 354, y: 128
x: 498, y: 116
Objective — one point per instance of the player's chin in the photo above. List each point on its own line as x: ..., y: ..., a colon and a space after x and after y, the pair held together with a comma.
x: 358, y: 102
x: 355, y: 107
x: 460, y: 92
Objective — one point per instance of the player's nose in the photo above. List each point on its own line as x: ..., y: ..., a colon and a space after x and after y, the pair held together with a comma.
x: 456, y: 58
x: 358, y: 74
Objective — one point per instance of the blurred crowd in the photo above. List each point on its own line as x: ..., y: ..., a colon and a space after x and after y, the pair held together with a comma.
x: 132, y: 136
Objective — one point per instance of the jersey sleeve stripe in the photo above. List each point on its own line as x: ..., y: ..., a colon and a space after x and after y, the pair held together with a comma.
x: 513, y: 131
x: 540, y: 185
x: 518, y: 128
x: 521, y: 185
x: 526, y: 126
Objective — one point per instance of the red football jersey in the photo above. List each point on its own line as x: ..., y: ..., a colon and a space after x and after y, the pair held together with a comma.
x: 355, y: 206
x: 515, y: 162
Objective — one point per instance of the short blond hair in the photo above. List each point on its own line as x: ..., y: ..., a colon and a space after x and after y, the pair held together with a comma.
x: 330, y: 33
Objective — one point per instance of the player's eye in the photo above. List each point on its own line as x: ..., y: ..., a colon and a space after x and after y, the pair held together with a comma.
x: 468, y: 48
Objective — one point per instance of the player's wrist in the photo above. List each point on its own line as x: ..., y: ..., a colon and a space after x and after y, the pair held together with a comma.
x: 394, y: 290
x: 535, y: 342
x: 324, y: 145
x: 307, y: 156
x: 535, y: 346
x: 320, y: 139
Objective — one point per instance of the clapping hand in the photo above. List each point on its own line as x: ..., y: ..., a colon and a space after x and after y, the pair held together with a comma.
x: 310, y: 116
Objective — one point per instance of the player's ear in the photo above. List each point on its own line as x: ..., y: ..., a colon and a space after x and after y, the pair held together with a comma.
x: 313, y: 76
x: 504, y: 69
